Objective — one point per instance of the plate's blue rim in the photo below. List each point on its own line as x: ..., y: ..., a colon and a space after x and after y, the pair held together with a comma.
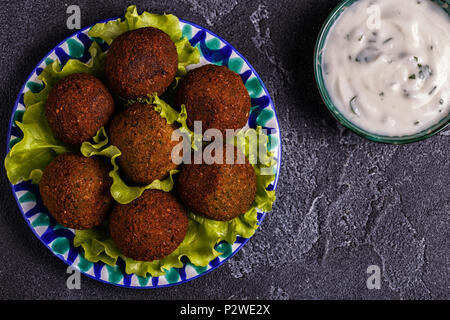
x: 275, y: 183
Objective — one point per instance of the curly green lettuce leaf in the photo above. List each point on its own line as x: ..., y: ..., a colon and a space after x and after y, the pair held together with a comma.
x: 120, y: 191
x: 172, y: 116
x: 28, y: 158
x: 203, y: 234
x: 97, y: 244
x: 168, y: 23
x: 187, y: 55
x: 165, y: 110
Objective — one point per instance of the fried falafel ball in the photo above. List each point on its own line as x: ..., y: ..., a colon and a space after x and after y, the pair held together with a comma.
x: 141, y: 62
x: 218, y: 191
x: 216, y: 96
x: 150, y: 227
x: 77, y: 107
x: 144, y: 138
x: 76, y: 190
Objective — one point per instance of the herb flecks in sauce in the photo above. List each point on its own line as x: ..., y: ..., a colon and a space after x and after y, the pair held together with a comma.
x: 368, y: 55
x: 425, y: 72
x: 393, y: 75
x: 432, y: 90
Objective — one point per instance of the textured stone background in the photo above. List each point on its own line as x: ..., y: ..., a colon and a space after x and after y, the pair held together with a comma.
x: 343, y: 203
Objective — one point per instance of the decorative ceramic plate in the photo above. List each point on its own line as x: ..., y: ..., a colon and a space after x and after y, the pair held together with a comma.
x: 59, y: 239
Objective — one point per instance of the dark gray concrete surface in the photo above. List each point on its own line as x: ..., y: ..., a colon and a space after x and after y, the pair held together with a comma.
x: 344, y: 203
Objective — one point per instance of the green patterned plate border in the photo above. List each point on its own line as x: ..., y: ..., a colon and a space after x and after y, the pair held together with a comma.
x: 58, y: 239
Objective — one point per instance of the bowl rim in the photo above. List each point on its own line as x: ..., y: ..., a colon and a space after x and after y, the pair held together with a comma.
x: 320, y: 83
x: 241, y: 243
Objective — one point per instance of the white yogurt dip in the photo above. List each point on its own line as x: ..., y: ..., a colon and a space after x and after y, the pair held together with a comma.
x: 386, y: 65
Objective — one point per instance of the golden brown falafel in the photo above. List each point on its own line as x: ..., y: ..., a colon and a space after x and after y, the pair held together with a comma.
x: 149, y: 228
x: 77, y: 107
x: 144, y: 138
x: 141, y: 62
x: 76, y: 190
x: 218, y: 191
x: 216, y: 96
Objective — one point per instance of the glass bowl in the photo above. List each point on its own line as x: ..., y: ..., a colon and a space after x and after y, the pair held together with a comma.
x: 318, y: 72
